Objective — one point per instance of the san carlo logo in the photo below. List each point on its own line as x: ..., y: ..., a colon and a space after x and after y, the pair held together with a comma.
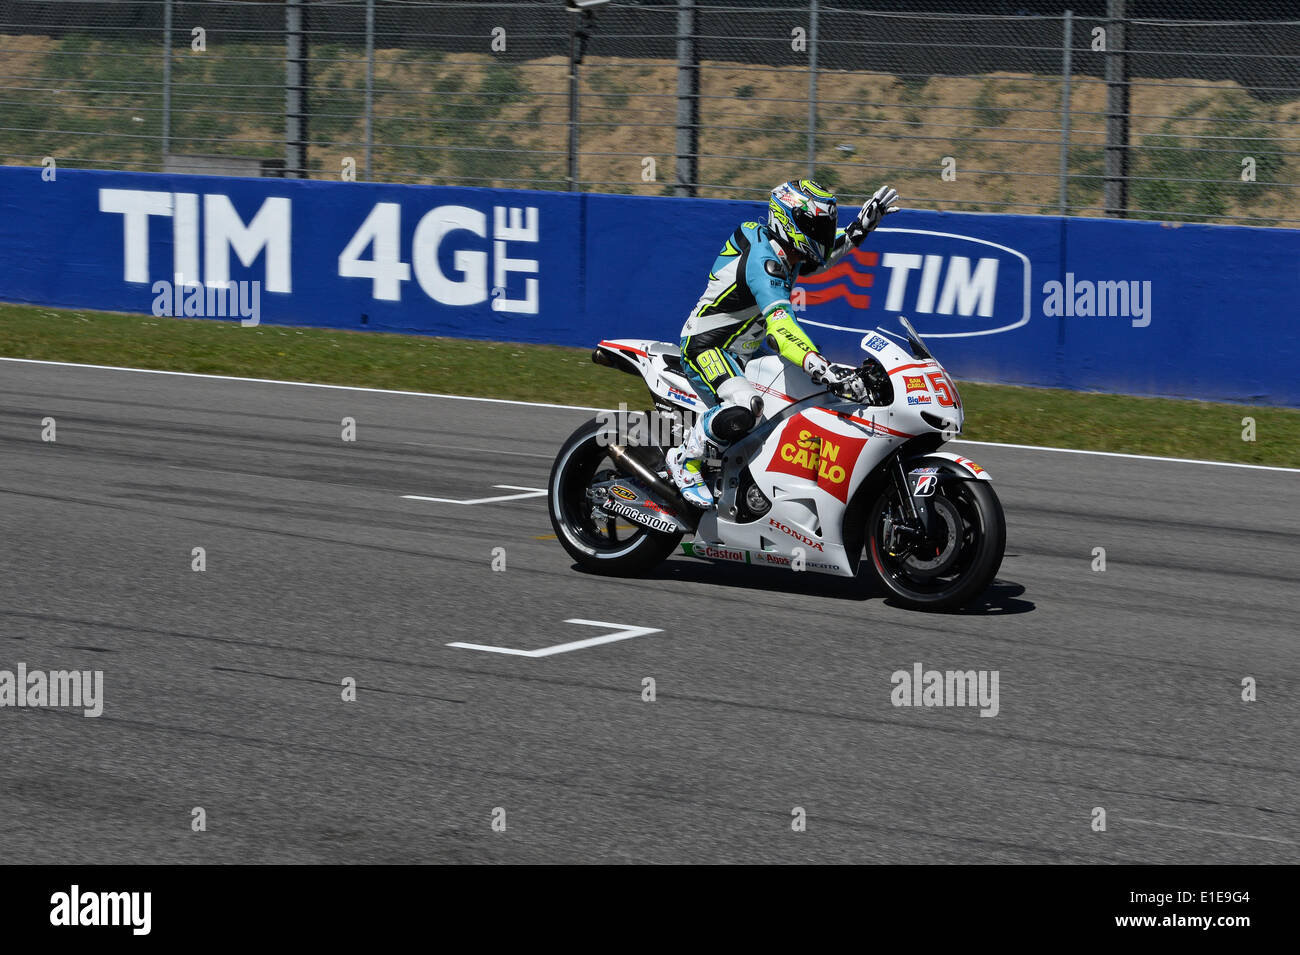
x: 948, y: 285
x: 816, y: 454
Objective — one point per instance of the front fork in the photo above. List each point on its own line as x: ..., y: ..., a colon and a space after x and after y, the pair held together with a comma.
x: 919, y: 523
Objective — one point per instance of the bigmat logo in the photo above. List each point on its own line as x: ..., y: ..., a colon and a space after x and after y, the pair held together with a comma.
x: 948, y: 285
x: 816, y: 454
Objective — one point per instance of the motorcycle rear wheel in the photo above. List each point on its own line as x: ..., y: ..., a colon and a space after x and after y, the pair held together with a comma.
x: 600, y: 542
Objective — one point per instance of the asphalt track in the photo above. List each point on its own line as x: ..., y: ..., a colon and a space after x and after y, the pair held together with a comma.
x: 223, y: 689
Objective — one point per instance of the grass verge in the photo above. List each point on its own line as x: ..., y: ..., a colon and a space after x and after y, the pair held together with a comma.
x: 1067, y: 419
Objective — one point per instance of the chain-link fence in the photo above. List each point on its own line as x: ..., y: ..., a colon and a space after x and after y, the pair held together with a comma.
x: 1098, y: 112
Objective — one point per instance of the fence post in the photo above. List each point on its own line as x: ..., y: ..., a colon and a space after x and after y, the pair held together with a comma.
x: 686, y: 167
x: 295, y: 91
x: 167, y: 83
x: 370, y: 81
x: 578, y: 33
x: 1117, y: 103
x: 812, y: 89
x: 1066, y: 55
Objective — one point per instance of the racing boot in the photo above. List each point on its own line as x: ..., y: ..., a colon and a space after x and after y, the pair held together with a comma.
x: 686, y: 465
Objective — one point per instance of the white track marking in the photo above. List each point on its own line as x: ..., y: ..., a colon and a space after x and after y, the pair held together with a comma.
x: 622, y: 632
x: 540, y: 404
x: 1210, y: 832
x: 452, y: 447
x: 1135, y: 457
x: 297, y: 384
x: 532, y: 492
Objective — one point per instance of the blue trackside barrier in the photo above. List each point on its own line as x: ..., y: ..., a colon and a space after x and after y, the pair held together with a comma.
x: 1143, y: 308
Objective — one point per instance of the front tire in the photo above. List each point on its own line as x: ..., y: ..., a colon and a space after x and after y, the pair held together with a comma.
x: 965, y: 561
x: 600, y: 542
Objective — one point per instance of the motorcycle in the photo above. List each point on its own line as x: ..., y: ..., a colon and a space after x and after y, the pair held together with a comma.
x: 824, y: 477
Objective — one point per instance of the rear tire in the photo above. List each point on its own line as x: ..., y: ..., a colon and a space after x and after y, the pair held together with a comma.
x: 975, y: 525
x: 600, y: 542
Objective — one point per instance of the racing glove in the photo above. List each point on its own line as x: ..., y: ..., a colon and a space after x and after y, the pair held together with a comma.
x: 818, y: 368
x: 845, y: 381
x: 872, y: 211
x: 841, y: 379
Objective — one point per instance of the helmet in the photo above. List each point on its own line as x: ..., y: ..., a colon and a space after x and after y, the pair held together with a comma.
x: 802, y: 215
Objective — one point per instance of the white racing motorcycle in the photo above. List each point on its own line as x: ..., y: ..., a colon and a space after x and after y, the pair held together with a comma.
x: 820, y: 479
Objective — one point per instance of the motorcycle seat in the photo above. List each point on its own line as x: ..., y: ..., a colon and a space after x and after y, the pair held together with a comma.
x: 671, y: 354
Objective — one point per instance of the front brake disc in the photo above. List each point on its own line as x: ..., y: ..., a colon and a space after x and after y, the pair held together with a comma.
x: 946, y: 550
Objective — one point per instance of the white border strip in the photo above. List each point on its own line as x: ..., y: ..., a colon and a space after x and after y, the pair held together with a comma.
x: 540, y: 404
x: 299, y: 384
x: 1135, y: 457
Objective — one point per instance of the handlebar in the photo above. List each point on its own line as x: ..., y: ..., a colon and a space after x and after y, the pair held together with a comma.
x: 880, y: 390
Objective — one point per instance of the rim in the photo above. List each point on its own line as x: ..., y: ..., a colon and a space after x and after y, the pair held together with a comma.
x: 928, y: 575
x: 601, y: 534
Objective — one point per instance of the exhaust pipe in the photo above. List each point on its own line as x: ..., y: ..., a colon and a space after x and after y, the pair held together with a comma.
x: 630, y: 464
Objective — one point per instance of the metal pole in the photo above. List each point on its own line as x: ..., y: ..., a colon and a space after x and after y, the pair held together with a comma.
x: 1067, y: 53
x: 295, y: 91
x: 167, y: 82
x: 370, y: 81
x: 572, y: 176
x: 1117, y: 102
x: 812, y: 91
x: 686, y: 169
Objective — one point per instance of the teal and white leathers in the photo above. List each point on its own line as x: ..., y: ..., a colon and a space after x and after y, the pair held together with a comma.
x: 747, y: 302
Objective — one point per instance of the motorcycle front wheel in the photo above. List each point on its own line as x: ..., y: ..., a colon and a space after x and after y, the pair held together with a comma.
x: 954, y: 569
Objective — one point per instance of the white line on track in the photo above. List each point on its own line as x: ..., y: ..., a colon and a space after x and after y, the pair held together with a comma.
x: 622, y: 632
x: 1211, y: 832
x: 1135, y: 457
x: 452, y: 447
x: 540, y: 404
x: 532, y: 492
x: 296, y: 384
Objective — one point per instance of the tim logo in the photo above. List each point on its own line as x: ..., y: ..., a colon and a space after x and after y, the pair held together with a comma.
x: 949, y: 285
